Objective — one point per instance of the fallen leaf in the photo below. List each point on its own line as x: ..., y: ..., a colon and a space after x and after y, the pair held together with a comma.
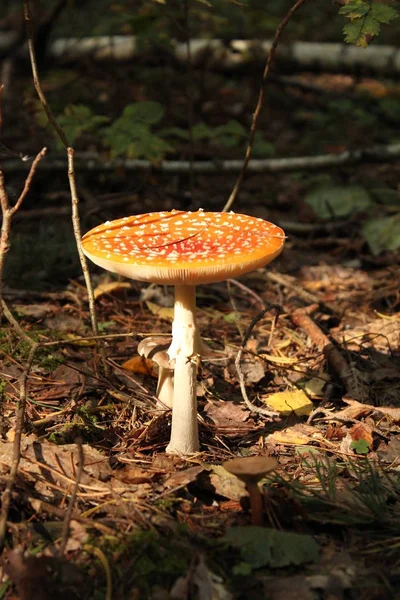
x: 360, y: 431
x: 141, y: 366
x: 110, y: 288
x: 162, y: 312
x: 356, y: 409
x: 223, y: 483
x: 183, y: 478
x: 314, y: 387
x: 299, y: 434
x: 290, y: 401
x: 225, y: 413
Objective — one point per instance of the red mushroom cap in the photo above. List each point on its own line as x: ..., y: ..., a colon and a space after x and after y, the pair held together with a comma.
x: 181, y: 247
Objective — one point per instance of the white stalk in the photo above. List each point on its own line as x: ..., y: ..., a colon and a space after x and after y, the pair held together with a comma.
x: 165, y: 386
x: 185, y: 350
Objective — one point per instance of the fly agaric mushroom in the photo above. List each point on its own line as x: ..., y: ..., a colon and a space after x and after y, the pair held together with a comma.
x: 184, y: 249
x: 250, y: 470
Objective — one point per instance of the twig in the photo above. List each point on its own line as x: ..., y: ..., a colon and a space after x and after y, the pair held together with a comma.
x: 71, y: 167
x: 260, y: 101
x: 19, y: 425
x: 252, y: 407
x: 8, y: 213
x: 248, y: 290
x: 68, y: 515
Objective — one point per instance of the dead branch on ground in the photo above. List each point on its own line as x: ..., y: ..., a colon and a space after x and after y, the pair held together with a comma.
x: 93, y: 162
x: 354, y: 387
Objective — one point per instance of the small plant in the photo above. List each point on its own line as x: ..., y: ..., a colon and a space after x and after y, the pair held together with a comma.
x: 131, y: 134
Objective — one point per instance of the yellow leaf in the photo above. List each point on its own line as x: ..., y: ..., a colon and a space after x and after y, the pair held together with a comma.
x: 161, y: 311
x: 290, y: 401
x: 314, y: 386
x: 288, y: 436
x: 109, y: 288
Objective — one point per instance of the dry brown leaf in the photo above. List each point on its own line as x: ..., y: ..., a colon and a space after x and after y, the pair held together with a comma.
x: 224, y: 483
x: 299, y: 434
x: 287, y: 436
x: 182, y: 478
x: 356, y: 409
x: 360, y: 431
x: 225, y: 413
x: 141, y: 366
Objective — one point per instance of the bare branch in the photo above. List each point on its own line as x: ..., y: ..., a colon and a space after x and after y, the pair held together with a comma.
x: 71, y: 167
x: 28, y: 181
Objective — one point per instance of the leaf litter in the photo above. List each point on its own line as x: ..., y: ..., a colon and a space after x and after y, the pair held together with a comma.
x: 127, y: 479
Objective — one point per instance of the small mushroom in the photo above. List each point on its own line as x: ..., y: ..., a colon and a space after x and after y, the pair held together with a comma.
x: 250, y: 470
x: 155, y: 348
x: 184, y: 249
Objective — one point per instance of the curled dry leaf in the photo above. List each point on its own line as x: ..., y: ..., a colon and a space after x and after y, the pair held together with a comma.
x: 110, y: 288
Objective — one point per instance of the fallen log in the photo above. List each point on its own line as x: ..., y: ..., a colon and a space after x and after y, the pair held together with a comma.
x: 237, y: 54
x: 91, y: 161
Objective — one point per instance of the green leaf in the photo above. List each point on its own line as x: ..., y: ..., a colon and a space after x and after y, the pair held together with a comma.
x: 386, y: 196
x: 178, y: 132
x: 78, y: 119
x: 370, y: 26
x: 360, y: 446
x: 354, y: 33
x: 355, y: 10
x: 242, y: 569
x: 262, y: 148
x: 390, y: 107
x: 233, y: 128
x: 382, y: 234
x: 201, y: 131
x: 334, y: 201
x: 383, y: 13
x: 143, y: 112
x: 260, y: 546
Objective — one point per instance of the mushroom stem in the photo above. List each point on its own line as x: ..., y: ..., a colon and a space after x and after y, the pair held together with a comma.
x: 185, y: 350
x: 165, y: 386
x: 256, y: 503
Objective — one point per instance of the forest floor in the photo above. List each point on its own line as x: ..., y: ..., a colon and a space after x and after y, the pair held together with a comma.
x: 145, y: 524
